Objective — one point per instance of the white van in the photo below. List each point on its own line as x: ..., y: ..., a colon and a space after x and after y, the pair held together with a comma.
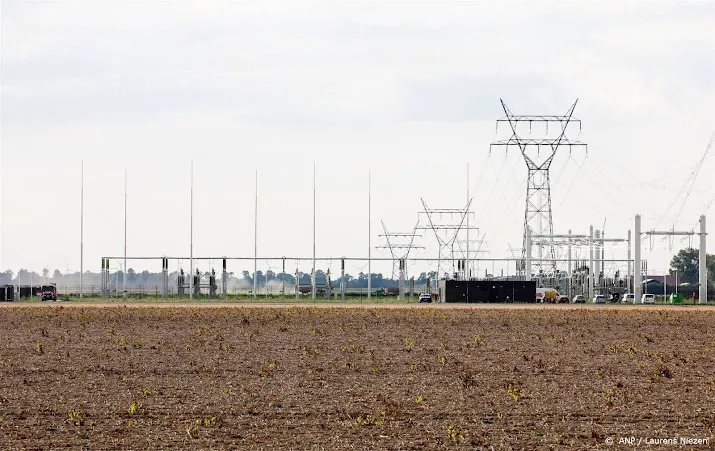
x: 648, y: 298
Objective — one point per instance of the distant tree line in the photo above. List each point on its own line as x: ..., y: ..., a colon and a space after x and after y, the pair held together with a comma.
x: 685, y: 262
x: 146, y: 278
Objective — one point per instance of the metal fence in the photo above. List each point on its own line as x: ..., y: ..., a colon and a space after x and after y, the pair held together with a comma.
x: 272, y: 292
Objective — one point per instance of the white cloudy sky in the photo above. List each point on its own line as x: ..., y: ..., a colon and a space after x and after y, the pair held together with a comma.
x: 407, y: 90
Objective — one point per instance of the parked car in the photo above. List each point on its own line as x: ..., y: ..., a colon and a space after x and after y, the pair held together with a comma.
x: 579, y: 299
x: 425, y: 298
x: 563, y: 299
x: 628, y: 298
x: 599, y: 299
x: 648, y: 298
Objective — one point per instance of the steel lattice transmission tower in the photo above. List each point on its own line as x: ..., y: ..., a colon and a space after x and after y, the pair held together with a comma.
x: 399, y: 252
x: 448, y: 222
x: 399, y: 244
x: 538, y: 154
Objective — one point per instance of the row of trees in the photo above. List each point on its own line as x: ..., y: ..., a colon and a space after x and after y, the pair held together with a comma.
x: 245, y: 279
x: 359, y: 281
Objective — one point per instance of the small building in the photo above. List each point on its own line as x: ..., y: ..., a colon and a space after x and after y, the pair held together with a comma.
x: 487, y: 291
x: 7, y: 293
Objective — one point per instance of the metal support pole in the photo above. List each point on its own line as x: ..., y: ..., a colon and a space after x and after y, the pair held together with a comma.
x: 590, y: 265
x: 637, y: 262
x: 342, y: 278
x: 597, y: 258
x: 402, y: 280
x: 703, y: 271
x: 283, y: 280
x: 314, y: 274
x: 528, y: 254
x: 629, y: 288
x: 369, y: 246
x: 164, y: 276
x: 191, y: 239
x: 466, y: 270
x: 255, y: 242
x: 570, y: 272
x: 603, y: 256
x: 297, y: 284
x: 81, y: 239
x: 224, y: 280
x: 124, y: 288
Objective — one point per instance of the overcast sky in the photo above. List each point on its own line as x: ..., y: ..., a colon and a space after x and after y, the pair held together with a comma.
x: 407, y: 90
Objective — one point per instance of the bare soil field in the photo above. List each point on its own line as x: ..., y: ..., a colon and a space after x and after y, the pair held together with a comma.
x: 261, y: 377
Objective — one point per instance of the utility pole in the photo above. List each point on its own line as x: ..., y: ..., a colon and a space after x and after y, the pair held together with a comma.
x: 570, y: 271
x: 369, y: 235
x: 255, y: 242
x: 590, y: 265
x: 467, y: 271
x: 314, y: 274
x: 81, y: 239
x: 191, y: 237
x: 125, y: 232
x: 703, y: 274
x: 630, y: 271
x: 637, y: 262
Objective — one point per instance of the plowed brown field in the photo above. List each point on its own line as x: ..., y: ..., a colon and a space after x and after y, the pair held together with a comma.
x: 233, y: 377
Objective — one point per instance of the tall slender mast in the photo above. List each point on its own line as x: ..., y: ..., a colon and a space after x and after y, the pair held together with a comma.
x: 125, y: 233
x: 467, y: 262
x: 191, y: 236
x: 81, y: 235
x: 369, y: 234
x: 255, y: 241
x: 314, y: 275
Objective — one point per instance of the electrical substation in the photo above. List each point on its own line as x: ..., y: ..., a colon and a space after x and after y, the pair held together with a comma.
x: 460, y: 266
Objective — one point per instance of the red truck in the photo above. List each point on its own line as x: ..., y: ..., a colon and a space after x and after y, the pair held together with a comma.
x: 49, y: 292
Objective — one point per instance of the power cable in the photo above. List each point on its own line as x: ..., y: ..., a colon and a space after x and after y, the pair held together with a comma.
x: 578, y: 172
x: 563, y: 168
x: 481, y: 176
x: 496, y: 182
x: 615, y: 195
x: 690, y: 180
